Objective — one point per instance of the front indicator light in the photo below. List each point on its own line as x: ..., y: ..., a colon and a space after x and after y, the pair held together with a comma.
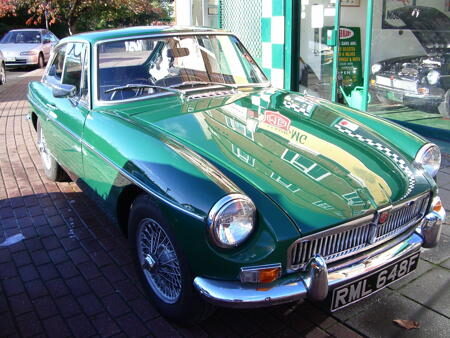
x: 438, y: 206
x: 423, y: 90
x: 260, y: 274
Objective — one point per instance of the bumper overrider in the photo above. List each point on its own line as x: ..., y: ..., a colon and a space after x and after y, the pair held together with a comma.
x: 315, y: 281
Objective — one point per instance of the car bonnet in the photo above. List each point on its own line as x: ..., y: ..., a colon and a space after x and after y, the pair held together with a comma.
x: 318, y: 164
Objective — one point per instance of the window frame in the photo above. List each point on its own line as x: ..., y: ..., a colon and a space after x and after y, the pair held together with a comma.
x: 85, y: 69
x: 95, y: 93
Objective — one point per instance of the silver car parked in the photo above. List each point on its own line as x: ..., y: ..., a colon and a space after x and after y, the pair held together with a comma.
x: 27, y: 47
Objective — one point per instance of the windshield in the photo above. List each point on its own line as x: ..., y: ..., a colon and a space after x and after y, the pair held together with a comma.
x: 22, y: 37
x: 182, y: 62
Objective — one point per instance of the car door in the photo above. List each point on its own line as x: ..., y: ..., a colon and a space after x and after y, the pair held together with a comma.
x: 66, y: 115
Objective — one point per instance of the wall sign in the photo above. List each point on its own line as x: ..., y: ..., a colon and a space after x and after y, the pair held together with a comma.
x: 350, y: 63
x: 350, y: 3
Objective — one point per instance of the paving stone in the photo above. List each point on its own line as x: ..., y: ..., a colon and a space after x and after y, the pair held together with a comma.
x: 78, y: 286
x: 133, y: 327
x: 90, y: 304
x: 115, y: 305
x: 105, y: 325
x: 432, y: 289
x: 446, y: 264
x: 56, y: 327
x: 80, y: 326
x: 376, y: 320
x: 13, y: 286
x: 29, y: 325
x: 36, y: 289
x: 68, y: 306
x: 45, y: 307
x: 440, y: 253
x: 340, y: 330
x: 57, y: 288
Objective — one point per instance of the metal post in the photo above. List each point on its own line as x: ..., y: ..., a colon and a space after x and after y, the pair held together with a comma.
x: 219, y: 13
x: 367, y: 52
x: 337, y: 21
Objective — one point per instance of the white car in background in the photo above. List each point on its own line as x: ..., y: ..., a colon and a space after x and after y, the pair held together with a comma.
x: 2, y: 69
x: 27, y: 47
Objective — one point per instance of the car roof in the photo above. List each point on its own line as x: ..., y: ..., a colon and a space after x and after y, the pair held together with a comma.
x: 101, y: 35
x: 27, y: 29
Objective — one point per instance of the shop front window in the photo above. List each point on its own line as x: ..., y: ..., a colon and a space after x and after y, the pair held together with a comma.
x: 316, y: 53
x: 410, y: 62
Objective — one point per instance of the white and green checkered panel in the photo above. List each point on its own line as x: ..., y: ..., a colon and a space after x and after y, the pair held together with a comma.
x: 243, y: 17
x: 272, y: 34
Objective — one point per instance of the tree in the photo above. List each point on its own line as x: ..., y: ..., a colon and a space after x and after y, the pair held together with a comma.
x: 7, y: 7
x: 87, y: 14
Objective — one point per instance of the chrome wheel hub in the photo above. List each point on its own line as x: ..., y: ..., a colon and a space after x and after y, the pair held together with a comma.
x: 159, y: 261
x: 45, y: 154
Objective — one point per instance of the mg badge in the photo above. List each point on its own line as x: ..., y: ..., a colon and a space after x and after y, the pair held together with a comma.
x: 381, y: 218
x: 384, y: 216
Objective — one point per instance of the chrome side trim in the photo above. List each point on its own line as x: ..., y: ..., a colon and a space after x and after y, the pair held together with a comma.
x: 140, y: 184
x: 292, y: 287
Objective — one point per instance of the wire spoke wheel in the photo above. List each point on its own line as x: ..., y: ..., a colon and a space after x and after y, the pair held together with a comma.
x: 159, y: 261
x: 45, y: 153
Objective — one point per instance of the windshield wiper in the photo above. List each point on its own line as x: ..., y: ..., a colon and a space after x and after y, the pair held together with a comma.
x: 212, y: 83
x: 138, y: 86
x: 206, y: 83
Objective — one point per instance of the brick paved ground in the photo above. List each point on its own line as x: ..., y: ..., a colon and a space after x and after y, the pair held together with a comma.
x: 71, y: 274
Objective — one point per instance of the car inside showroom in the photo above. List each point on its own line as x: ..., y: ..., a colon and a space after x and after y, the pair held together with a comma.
x: 391, y: 57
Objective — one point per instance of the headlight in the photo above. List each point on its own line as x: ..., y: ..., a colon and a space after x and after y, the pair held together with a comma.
x: 231, y: 220
x: 433, y: 77
x: 376, y: 68
x: 29, y: 52
x: 429, y: 156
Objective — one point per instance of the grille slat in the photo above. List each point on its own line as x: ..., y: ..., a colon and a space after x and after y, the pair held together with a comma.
x: 334, y: 245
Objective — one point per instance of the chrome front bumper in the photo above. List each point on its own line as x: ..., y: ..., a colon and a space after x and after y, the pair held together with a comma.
x: 316, y: 279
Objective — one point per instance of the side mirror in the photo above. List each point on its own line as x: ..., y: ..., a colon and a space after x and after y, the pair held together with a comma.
x: 46, y: 41
x: 64, y: 90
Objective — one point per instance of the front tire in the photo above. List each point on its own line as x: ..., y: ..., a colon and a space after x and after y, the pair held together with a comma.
x: 52, y: 169
x: 41, y: 62
x: 161, y: 265
x: 2, y: 74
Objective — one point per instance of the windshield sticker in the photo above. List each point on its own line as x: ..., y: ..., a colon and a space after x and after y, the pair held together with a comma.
x: 299, y: 105
x: 347, y: 124
x: 276, y: 120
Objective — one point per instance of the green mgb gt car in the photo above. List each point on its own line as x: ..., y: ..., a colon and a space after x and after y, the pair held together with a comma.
x: 233, y: 193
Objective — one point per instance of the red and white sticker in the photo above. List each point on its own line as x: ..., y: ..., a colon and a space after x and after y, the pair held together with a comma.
x: 349, y: 125
x: 277, y: 120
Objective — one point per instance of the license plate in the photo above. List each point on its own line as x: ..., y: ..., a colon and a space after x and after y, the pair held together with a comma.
x: 10, y: 59
x: 367, y: 285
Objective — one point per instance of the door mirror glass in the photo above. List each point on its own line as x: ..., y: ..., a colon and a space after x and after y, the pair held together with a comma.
x: 64, y: 90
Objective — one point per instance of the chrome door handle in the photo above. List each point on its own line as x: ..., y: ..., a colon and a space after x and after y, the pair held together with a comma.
x: 51, y: 115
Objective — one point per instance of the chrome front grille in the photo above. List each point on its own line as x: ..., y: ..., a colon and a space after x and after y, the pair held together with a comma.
x: 344, y: 240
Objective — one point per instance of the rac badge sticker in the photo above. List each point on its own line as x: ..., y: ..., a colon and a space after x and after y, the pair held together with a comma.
x: 277, y: 120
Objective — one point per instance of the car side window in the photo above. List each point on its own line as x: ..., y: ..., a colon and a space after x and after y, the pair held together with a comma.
x: 55, y: 70
x: 73, y: 66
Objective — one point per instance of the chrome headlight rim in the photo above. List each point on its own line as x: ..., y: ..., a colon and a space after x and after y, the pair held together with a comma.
x: 434, y: 75
x: 421, y: 153
x: 215, y: 211
x: 376, y: 67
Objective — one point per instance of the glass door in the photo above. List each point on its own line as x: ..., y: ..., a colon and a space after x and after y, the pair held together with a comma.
x: 319, y: 26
